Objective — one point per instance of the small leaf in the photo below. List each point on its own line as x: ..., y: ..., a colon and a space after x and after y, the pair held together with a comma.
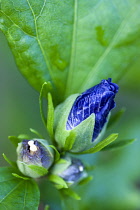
x: 23, y: 136
x: 118, y: 144
x: 17, y: 193
x: 50, y: 116
x: 36, y: 132
x: 59, y: 187
x: 13, y: 164
x: 62, y: 161
x: 39, y: 169
x: 85, y: 180
x: 69, y: 141
x: 15, y: 140
x: 57, y: 154
x: 116, y: 117
x: 20, y: 177
x: 101, y: 144
x: 58, y: 180
x: 70, y: 193
x: 44, y: 92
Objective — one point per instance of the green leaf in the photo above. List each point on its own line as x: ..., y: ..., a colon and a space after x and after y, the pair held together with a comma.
x: 50, y: 116
x: 85, y: 180
x: 21, y: 177
x: 15, y: 140
x: 118, y: 144
x: 36, y: 133
x: 69, y: 141
x: 62, y: 161
x: 57, y: 154
x: 38, y: 169
x: 60, y: 183
x: 23, y: 136
x: 101, y: 144
x: 53, y: 46
x: 48, y: 119
x: 114, y: 118
x: 17, y: 193
x: 44, y: 92
x: 70, y: 193
x: 13, y: 164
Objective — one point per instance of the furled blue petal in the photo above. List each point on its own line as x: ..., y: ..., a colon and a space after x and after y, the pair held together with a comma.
x: 98, y: 100
x: 34, y: 157
x: 74, y: 172
x: 40, y: 156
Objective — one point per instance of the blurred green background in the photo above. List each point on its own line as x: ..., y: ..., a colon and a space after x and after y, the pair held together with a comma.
x: 116, y: 183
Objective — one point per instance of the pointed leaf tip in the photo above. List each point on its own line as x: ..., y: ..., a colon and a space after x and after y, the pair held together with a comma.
x: 101, y: 145
x: 119, y: 144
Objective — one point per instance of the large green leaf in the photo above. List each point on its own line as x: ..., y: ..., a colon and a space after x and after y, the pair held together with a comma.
x: 73, y: 44
x: 17, y: 193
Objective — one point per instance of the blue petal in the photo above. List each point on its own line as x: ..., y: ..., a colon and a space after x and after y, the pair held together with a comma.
x: 98, y: 100
x: 39, y: 157
x: 74, y: 172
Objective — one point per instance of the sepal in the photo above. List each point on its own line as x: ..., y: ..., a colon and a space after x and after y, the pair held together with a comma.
x: 60, y: 119
x: 69, y: 193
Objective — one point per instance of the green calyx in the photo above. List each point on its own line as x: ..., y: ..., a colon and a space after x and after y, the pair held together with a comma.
x: 79, y: 138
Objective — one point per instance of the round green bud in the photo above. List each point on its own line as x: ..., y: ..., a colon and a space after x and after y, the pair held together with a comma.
x: 34, y: 157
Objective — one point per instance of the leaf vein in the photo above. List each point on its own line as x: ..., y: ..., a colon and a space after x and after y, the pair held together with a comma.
x: 17, y: 25
x: 41, y: 10
x: 25, y: 196
x: 37, y: 36
x: 7, y: 180
x: 10, y: 192
x: 73, y: 48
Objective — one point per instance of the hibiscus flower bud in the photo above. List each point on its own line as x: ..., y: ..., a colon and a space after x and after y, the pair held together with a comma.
x: 86, y: 114
x: 70, y: 169
x: 34, y: 152
x: 98, y: 100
